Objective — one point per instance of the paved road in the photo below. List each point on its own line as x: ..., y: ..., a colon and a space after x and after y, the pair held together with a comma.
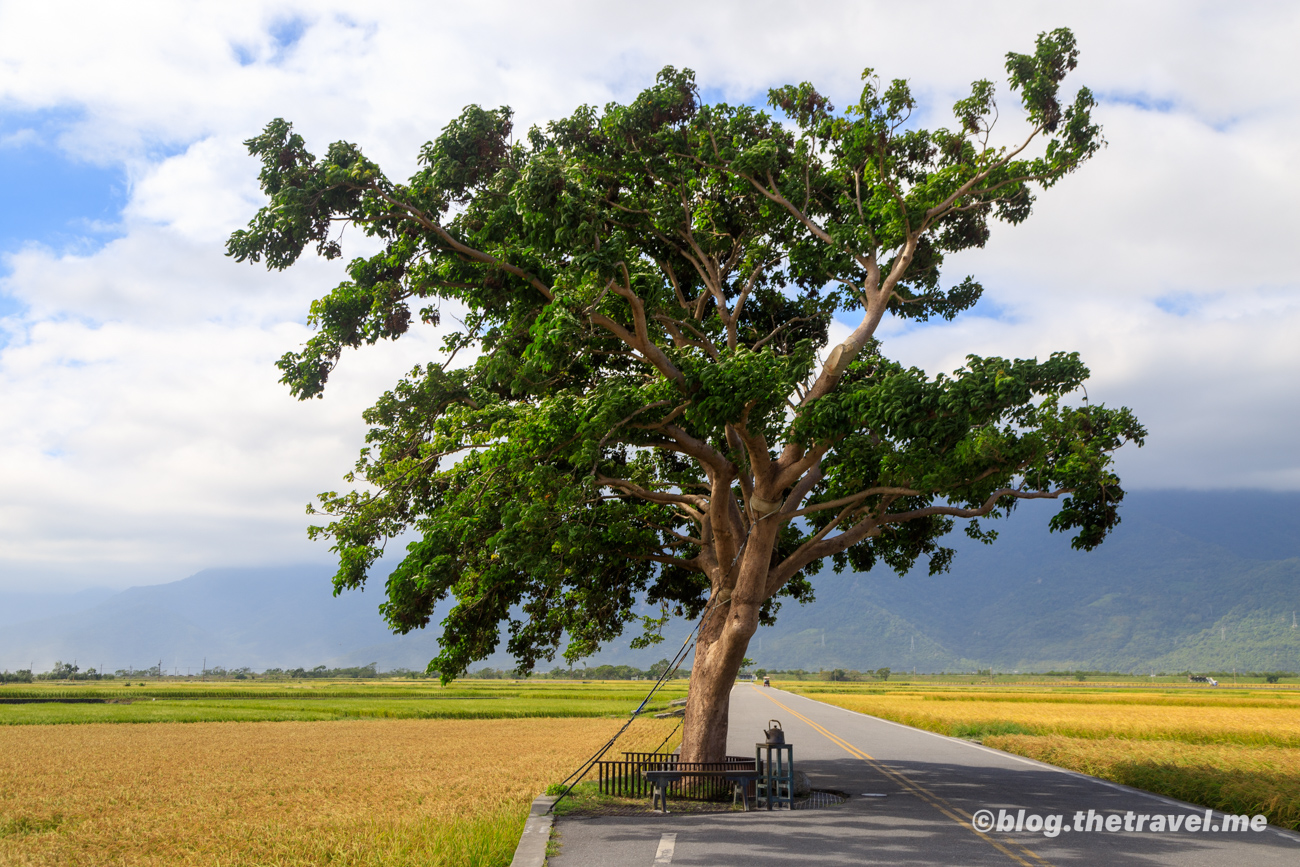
x: 934, y: 787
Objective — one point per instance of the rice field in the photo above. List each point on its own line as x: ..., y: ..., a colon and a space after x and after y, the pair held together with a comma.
x: 1256, y: 718
x: 1229, y: 778
x: 281, y: 701
x: 1237, y: 751
x: 398, y: 773
x: 349, y: 792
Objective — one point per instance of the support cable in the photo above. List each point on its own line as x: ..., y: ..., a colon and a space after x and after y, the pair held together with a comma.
x: 665, y: 740
x: 714, y: 600
x: 676, y: 663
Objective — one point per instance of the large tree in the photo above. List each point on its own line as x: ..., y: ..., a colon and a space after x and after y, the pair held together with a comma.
x: 648, y: 410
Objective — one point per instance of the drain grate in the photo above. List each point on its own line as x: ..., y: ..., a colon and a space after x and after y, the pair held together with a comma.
x: 817, y: 800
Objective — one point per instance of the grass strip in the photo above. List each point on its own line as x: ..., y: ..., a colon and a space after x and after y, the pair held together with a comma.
x: 586, y: 797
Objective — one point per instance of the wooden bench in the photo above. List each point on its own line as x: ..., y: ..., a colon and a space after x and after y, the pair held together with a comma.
x: 661, y: 775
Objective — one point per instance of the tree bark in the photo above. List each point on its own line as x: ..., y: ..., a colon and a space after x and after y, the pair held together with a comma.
x: 719, y: 651
x: 724, y: 637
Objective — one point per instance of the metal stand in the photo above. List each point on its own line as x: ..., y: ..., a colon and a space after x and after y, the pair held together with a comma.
x: 776, y: 780
x: 661, y: 780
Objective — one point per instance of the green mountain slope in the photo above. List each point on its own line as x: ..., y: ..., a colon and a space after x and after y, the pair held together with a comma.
x: 1180, y: 585
x: 1200, y: 581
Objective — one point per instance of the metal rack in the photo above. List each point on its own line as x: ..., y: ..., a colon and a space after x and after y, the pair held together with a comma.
x: 776, y: 766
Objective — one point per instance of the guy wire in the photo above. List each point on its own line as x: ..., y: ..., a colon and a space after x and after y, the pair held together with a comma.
x: 576, y: 777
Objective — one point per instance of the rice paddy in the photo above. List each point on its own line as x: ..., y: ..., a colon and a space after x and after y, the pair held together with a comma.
x: 1232, y: 750
x: 1247, y: 717
x: 403, y: 773
x: 363, y: 792
x: 283, y: 701
x: 1232, y: 779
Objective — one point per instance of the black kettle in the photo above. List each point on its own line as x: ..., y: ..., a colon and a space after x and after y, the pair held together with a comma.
x: 775, y: 735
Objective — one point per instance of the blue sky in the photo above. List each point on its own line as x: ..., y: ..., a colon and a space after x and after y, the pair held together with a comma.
x: 144, y: 435
x: 52, y: 197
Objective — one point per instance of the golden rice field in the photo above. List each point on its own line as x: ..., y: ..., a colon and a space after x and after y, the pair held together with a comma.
x: 1234, y: 779
x: 365, y: 792
x: 1227, y: 717
x: 1235, y: 751
x: 455, y: 791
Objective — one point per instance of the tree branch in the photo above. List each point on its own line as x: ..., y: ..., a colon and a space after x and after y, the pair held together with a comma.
x: 701, y: 451
x: 464, y: 250
x: 979, y: 512
x: 686, y: 500
x: 938, y: 209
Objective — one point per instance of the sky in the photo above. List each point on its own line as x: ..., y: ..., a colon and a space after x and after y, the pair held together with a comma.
x: 144, y: 435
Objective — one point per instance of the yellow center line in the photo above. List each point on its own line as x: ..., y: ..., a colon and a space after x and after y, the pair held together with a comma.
x: 958, y: 815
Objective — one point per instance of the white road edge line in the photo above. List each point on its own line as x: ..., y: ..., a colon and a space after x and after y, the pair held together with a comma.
x: 1043, y: 765
x: 667, y: 844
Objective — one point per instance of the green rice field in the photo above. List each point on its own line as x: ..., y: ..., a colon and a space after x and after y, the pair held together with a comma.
x: 279, y: 701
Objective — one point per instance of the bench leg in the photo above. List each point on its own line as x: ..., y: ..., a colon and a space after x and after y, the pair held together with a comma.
x: 659, y: 798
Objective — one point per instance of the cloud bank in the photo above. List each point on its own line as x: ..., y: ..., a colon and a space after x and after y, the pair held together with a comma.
x: 144, y: 435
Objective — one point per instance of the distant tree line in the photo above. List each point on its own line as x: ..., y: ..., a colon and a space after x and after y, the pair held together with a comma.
x: 244, y: 673
x: 597, y: 672
x: 69, y: 671
x: 1081, y: 674
x: 410, y: 673
x: 831, y: 674
x: 615, y: 672
x: 1267, y: 676
x: 369, y: 671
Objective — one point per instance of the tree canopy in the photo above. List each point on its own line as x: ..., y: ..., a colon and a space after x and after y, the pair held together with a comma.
x: 647, y: 405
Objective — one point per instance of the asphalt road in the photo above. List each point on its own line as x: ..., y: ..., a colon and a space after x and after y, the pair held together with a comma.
x: 934, y: 788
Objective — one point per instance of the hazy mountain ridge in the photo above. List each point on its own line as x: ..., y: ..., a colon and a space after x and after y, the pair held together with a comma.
x: 1188, y: 581
x: 21, y: 607
x: 280, y: 616
x: 1173, y: 576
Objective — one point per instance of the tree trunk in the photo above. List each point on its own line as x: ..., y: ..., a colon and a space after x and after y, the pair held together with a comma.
x: 719, y: 650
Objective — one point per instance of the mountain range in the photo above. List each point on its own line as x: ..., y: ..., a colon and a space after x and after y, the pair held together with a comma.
x: 1188, y: 581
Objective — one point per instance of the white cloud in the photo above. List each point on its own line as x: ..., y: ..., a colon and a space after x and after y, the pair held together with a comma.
x: 144, y: 433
